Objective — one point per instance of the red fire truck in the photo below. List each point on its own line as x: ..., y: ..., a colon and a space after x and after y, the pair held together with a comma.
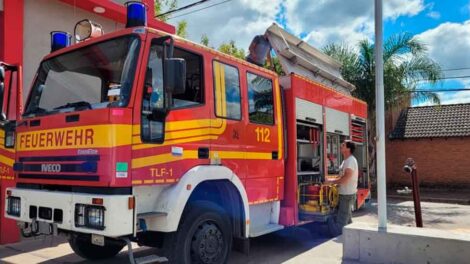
x: 140, y: 135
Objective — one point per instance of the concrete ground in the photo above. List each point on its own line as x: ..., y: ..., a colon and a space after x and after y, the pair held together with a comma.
x: 296, y: 245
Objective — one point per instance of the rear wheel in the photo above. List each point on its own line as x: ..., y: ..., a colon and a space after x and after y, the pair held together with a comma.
x: 83, y: 247
x: 204, y: 236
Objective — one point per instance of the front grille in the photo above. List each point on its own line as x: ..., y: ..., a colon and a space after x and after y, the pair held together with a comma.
x: 59, y: 168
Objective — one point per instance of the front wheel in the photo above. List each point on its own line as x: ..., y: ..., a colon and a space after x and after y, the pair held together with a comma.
x: 83, y: 247
x: 204, y: 236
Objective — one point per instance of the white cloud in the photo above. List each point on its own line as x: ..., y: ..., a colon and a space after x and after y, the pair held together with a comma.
x: 455, y: 97
x: 342, y: 21
x: 319, y: 22
x: 434, y: 15
x: 238, y: 20
x: 447, y: 44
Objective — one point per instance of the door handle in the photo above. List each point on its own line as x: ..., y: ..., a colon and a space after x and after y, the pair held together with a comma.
x: 275, y: 155
x: 203, y: 153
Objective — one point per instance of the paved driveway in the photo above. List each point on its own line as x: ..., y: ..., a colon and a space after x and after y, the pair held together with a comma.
x: 296, y: 245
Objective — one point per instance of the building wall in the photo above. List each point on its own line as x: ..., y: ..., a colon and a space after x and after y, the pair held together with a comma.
x: 443, y: 162
x: 51, y: 15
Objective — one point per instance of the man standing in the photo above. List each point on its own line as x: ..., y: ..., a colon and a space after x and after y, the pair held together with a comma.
x: 347, y: 189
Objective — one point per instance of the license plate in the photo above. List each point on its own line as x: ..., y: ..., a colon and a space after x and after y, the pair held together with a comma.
x: 97, y: 240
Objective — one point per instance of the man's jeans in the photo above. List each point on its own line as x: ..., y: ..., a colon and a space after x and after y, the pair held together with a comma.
x: 344, y: 215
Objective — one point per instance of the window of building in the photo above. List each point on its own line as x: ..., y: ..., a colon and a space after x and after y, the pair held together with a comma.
x: 227, y: 91
x: 260, y: 99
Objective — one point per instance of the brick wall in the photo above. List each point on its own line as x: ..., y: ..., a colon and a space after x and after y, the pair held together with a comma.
x: 441, y: 162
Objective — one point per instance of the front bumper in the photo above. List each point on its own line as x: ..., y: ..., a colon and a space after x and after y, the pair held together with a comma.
x: 118, y: 218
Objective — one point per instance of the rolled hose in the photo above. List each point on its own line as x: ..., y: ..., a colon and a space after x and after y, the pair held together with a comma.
x: 333, y: 196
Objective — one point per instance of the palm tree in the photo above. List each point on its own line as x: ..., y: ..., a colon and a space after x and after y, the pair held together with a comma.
x: 406, y: 64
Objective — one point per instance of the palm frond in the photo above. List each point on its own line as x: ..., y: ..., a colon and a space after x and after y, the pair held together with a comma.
x: 400, y: 44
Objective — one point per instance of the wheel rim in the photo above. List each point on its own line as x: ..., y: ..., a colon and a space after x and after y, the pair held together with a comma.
x: 207, y: 245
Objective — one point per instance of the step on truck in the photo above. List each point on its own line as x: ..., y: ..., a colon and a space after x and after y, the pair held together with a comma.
x: 142, y: 136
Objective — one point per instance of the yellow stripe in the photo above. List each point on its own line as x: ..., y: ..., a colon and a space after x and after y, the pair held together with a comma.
x: 162, y: 158
x: 137, y: 182
x: 148, y: 181
x: 244, y: 155
x: 172, y: 142
x: 223, y: 91
x: 279, y: 118
x: 185, y: 134
x: 170, y: 180
x: 7, y: 161
x: 192, y: 154
x: 212, y: 128
x: 104, y: 136
x: 160, y: 181
x: 218, y: 91
x: 185, y: 124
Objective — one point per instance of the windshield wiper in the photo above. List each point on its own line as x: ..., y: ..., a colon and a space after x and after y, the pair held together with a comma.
x: 77, y: 105
x: 36, y: 111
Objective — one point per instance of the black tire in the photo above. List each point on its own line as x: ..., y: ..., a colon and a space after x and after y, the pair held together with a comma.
x: 204, y: 236
x: 83, y: 247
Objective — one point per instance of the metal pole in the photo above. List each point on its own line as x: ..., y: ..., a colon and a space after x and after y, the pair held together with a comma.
x: 380, y: 118
x: 416, y: 199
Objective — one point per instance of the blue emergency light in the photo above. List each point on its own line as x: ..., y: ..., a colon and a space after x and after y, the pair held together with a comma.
x: 59, y: 40
x: 136, y: 14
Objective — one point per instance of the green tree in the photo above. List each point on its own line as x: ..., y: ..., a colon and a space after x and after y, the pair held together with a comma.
x: 205, y: 40
x: 170, y: 5
x: 231, y: 48
x: 181, y: 29
x: 406, y: 64
x: 161, y: 5
x: 275, y: 65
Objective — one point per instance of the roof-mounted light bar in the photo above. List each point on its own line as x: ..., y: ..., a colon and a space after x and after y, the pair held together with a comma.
x: 136, y: 14
x: 59, y: 40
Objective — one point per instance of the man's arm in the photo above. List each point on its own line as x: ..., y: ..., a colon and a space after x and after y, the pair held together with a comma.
x: 347, y: 175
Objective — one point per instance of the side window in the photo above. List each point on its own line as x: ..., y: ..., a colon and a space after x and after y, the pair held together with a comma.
x: 260, y: 99
x: 152, y: 130
x: 153, y: 95
x: 194, y: 94
x: 227, y: 91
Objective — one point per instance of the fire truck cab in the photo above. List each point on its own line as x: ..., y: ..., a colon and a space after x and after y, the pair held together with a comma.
x: 139, y: 135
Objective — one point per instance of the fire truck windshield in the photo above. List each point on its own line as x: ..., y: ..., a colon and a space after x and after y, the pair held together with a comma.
x: 96, y: 76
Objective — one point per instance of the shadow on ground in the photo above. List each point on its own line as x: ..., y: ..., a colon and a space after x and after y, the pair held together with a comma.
x: 278, y: 247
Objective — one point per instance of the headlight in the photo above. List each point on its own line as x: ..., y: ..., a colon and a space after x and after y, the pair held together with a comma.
x: 14, y: 206
x: 89, y: 216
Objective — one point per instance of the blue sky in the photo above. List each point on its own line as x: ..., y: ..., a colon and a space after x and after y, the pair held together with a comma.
x: 443, y: 25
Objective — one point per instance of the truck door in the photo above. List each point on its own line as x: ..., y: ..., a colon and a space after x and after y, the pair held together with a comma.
x: 264, y: 139
x: 228, y: 123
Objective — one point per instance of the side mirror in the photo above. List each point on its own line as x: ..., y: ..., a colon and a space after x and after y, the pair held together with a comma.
x: 175, y: 75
